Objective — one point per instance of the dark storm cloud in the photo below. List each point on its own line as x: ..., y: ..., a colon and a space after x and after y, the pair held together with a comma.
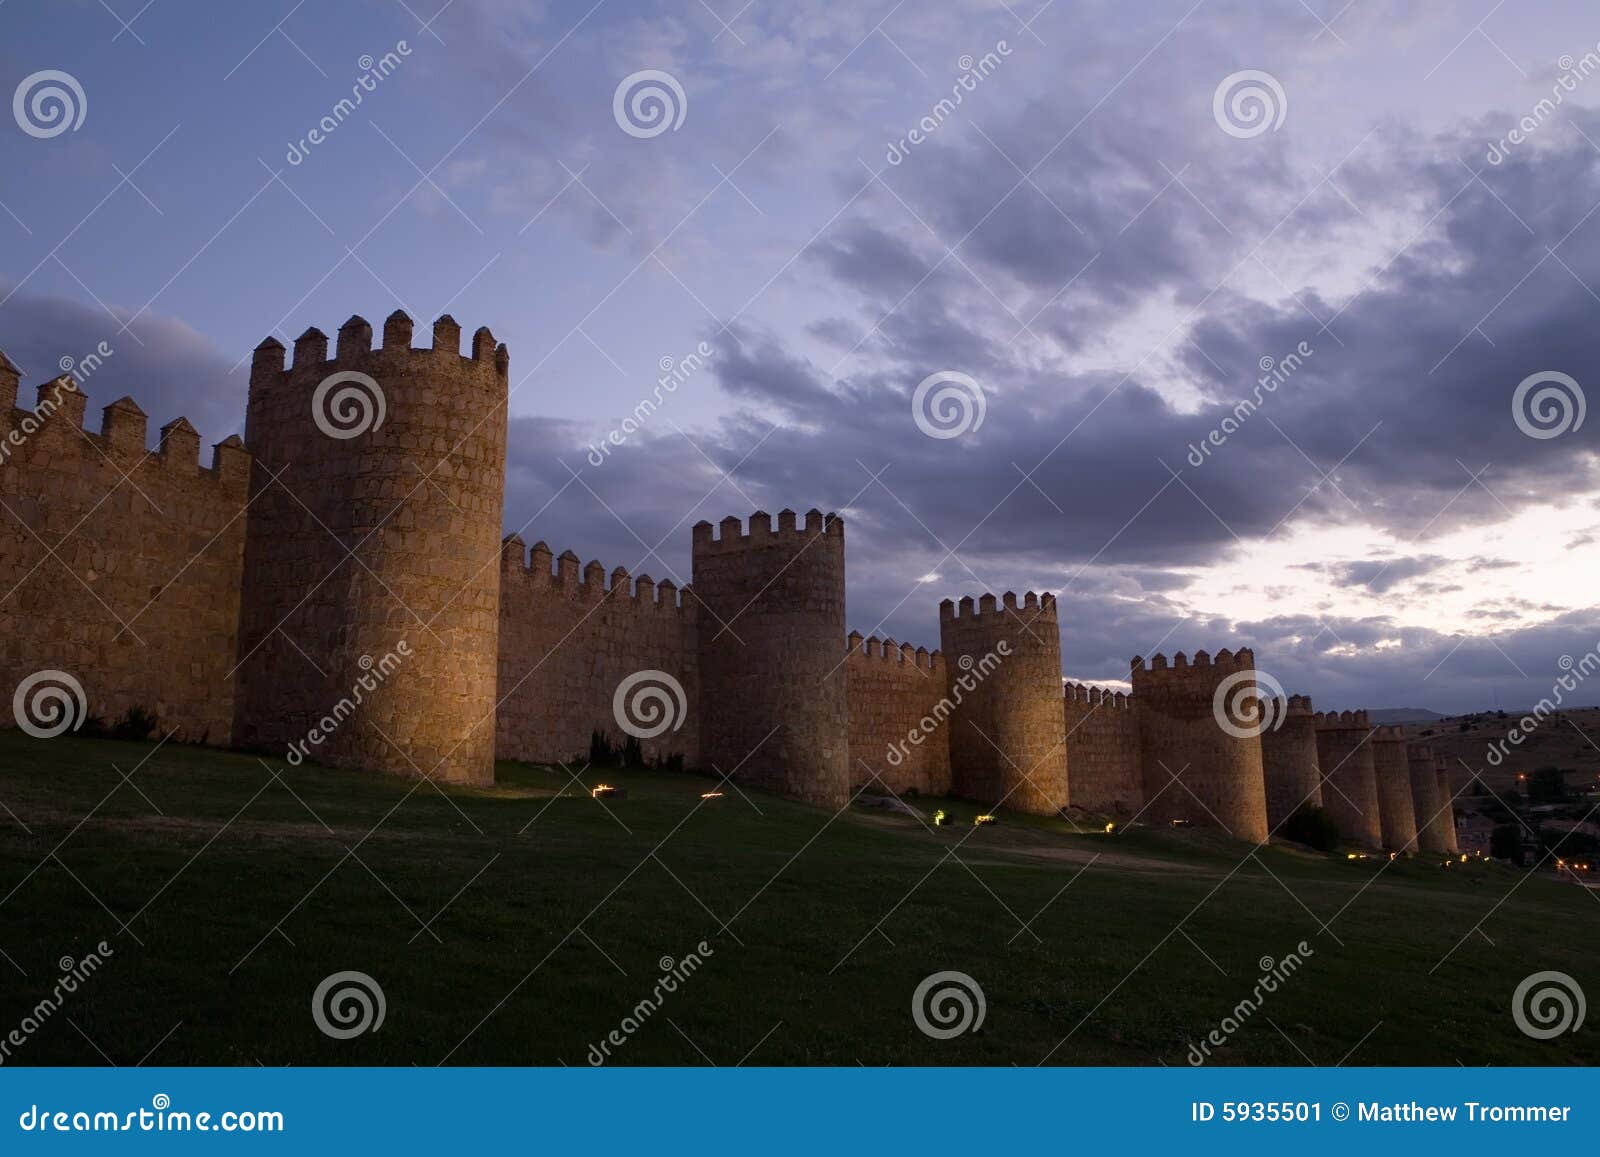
x: 174, y: 373
x: 1068, y: 477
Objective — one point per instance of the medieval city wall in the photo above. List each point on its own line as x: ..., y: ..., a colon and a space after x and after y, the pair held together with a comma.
x: 1447, y: 804
x: 1103, y: 755
x: 1350, y: 787
x: 1289, y: 759
x: 1193, y: 769
x: 119, y: 567
x: 771, y: 630
x: 899, y: 732
x: 1432, y: 821
x: 569, y: 641
x: 1008, y: 744
x: 1391, y: 770
x: 372, y: 552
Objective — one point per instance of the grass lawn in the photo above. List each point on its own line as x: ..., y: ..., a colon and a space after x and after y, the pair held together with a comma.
x: 522, y: 923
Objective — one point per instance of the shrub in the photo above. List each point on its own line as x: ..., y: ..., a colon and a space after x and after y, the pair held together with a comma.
x: 1547, y: 785
x: 136, y: 723
x: 1505, y: 843
x: 1313, y: 827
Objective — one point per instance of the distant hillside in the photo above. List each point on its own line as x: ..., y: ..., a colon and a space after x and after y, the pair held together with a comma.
x: 1568, y: 739
x: 1403, y: 715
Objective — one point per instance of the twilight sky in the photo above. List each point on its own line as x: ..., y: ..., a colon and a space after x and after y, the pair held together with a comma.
x: 1104, y: 248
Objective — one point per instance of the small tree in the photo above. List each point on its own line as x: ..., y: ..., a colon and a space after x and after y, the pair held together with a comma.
x: 1505, y: 843
x: 1312, y: 826
x: 1547, y: 785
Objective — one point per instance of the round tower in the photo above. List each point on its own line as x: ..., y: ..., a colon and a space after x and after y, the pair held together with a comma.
x: 1447, y: 803
x: 1350, y: 787
x: 1202, y: 760
x: 1391, y: 771
x: 772, y: 661
x: 1425, y: 803
x: 368, y: 627
x: 1008, y: 739
x: 1289, y: 759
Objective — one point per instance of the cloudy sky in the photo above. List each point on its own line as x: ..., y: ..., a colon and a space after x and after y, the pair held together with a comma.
x: 1099, y: 247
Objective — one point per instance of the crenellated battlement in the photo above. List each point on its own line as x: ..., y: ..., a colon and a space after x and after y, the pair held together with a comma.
x: 1034, y: 606
x: 1388, y: 733
x: 376, y: 512
x: 1090, y: 695
x: 888, y: 651
x: 1181, y: 708
x: 544, y: 573
x: 730, y: 535
x: 1341, y: 720
x: 354, y: 350
x: 1225, y: 662
x: 58, y: 420
x: 153, y: 537
x: 768, y: 649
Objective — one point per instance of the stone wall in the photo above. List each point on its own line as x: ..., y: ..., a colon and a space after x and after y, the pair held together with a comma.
x: 119, y: 567
x: 1432, y: 821
x: 1392, y: 774
x: 1007, y: 734
x: 366, y: 535
x: 1193, y: 769
x: 1289, y: 759
x: 1350, y: 789
x: 568, y: 642
x: 899, y: 735
x: 1447, y: 803
x: 772, y: 664
x: 1102, y: 750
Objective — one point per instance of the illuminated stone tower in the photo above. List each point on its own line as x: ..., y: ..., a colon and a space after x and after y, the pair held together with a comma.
x: 1007, y: 733
x: 1432, y: 821
x: 1194, y: 769
x: 373, y: 535
x: 772, y: 654
x: 1392, y: 776
x: 1350, y: 786
x: 1289, y: 759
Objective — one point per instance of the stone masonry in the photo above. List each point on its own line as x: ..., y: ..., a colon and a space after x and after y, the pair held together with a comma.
x: 358, y: 544
x: 335, y: 589
x: 1289, y: 759
x: 772, y: 630
x: 1392, y: 776
x: 1007, y: 734
x: 1350, y: 786
x: 891, y: 689
x: 1192, y: 766
x: 1103, y: 754
x: 1429, y: 810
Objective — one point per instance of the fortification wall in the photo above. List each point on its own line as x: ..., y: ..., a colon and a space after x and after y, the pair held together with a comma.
x: 1289, y: 759
x: 1008, y: 730
x: 1193, y: 769
x: 374, y: 532
x: 1350, y: 785
x: 899, y: 737
x: 568, y: 642
x: 1392, y: 773
x: 1432, y: 821
x: 771, y: 618
x: 1447, y: 804
x: 1102, y: 749
x: 118, y: 566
